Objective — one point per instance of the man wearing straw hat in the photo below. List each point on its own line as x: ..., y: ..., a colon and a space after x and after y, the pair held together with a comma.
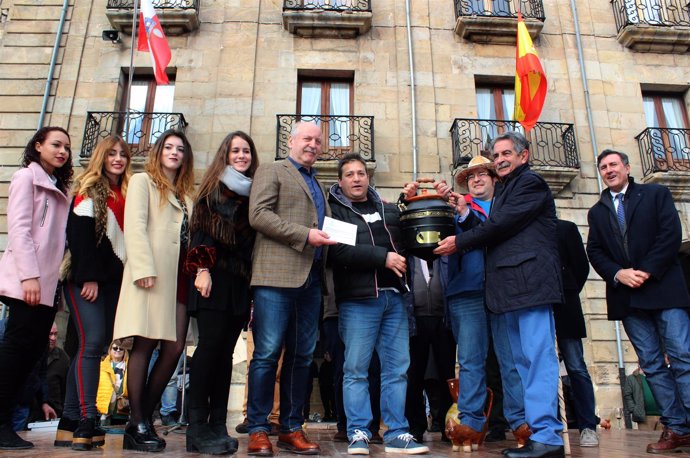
x: 523, y: 281
x: 465, y: 296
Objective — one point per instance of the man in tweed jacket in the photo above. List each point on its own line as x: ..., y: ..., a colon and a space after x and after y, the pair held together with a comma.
x: 287, y: 207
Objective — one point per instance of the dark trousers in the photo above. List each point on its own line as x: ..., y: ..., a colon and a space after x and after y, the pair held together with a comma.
x: 26, y: 338
x: 93, y: 322
x: 336, y: 348
x: 432, y: 335
x: 211, y: 372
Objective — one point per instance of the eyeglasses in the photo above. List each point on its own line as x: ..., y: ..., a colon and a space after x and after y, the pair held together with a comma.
x: 118, y: 349
x: 472, y: 176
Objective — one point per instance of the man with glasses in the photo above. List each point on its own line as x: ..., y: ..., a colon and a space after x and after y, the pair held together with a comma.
x: 523, y: 281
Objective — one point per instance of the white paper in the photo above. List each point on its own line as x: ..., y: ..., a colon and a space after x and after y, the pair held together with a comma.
x: 340, y: 231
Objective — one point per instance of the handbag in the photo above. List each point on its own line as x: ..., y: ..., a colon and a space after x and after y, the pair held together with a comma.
x: 121, y: 402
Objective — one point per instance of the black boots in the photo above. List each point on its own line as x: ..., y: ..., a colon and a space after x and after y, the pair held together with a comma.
x: 65, y: 433
x: 209, y: 436
x: 142, y: 437
x: 9, y: 440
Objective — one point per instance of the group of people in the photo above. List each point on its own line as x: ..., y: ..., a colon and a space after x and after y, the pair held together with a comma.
x: 146, y: 252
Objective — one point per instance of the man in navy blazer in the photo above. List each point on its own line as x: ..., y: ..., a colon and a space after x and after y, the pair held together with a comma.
x: 635, y: 250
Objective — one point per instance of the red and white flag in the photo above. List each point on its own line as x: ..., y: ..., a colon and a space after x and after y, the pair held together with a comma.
x: 152, y: 39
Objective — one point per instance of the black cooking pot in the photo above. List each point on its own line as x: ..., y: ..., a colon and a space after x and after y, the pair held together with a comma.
x: 425, y: 220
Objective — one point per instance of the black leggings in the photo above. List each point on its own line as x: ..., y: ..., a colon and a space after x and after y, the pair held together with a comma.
x: 209, y: 380
x: 144, y: 388
x: 94, y: 324
x: 25, y: 340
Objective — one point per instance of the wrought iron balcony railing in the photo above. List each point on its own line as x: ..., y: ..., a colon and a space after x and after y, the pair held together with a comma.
x: 328, y: 5
x: 341, y: 135
x: 533, y: 9
x: 551, y: 143
x: 663, y: 13
x: 158, y: 4
x: 663, y: 150
x: 140, y: 130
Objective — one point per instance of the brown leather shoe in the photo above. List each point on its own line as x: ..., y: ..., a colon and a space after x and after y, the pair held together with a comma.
x: 670, y: 442
x: 259, y: 444
x: 463, y: 435
x: 298, y: 442
x: 522, y: 433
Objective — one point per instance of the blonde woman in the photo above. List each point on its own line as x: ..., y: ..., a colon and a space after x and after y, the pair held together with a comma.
x: 96, y: 242
x: 154, y: 289
x: 112, y: 384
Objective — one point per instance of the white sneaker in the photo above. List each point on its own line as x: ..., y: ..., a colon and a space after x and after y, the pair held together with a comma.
x: 589, y: 438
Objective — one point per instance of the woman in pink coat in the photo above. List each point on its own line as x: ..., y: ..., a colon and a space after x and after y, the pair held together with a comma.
x: 36, y: 219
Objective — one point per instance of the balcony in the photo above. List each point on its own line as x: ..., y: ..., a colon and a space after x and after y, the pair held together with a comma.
x: 341, y: 135
x: 495, y: 21
x: 178, y: 17
x: 653, y: 25
x: 553, y: 151
x: 665, y: 159
x: 144, y: 129
x: 327, y: 18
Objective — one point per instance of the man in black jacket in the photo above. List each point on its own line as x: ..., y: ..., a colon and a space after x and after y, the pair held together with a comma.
x: 570, y: 329
x: 523, y: 282
x: 634, y: 238
x: 369, y: 282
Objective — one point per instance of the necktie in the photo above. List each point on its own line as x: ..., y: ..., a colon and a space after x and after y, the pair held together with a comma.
x: 620, y: 212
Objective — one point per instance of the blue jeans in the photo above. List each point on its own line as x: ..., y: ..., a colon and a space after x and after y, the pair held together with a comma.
x: 286, y: 317
x: 513, y: 392
x: 375, y: 324
x: 471, y: 331
x: 533, y: 344
x: 583, y: 391
x: 650, y: 332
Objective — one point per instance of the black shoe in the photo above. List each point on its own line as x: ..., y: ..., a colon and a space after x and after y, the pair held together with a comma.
x: 535, y: 450
x: 241, y: 428
x: 83, y: 436
x: 219, y: 430
x: 169, y: 419
x: 65, y: 431
x: 376, y: 438
x: 418, y: 436
x: 140, y: 437
x: 9, y: 440
x: 201, y: 439
x: 495, y: 435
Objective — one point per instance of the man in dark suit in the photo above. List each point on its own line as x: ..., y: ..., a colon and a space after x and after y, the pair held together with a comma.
x: 287, y: 207
x: 570, y: 328
x: 634, y: 238
x: 523, y: 282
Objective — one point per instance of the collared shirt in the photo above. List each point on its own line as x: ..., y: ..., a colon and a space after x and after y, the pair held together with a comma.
x: 615, y: 194
x: 309, y: 176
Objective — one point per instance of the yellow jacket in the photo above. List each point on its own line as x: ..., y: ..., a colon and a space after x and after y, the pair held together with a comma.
x: 105, y: 384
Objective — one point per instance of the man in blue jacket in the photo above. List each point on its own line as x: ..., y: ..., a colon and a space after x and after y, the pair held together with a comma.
x: 523, y: 282
x: 633, y: 243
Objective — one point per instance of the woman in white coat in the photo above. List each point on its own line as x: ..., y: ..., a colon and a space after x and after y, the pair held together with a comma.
x: 154, y: 289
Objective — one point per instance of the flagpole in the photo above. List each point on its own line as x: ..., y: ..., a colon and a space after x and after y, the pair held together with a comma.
x: 130, y: 76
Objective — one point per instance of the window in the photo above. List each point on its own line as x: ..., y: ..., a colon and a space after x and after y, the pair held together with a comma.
x: 666, y: 112
x: 494, y: 103
x: 647, y: 11
x: 330, y: 101
x: 487, y: 7
x: 146, y: 97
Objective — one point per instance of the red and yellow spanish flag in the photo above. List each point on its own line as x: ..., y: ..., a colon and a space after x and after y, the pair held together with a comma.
x: 530, y: 80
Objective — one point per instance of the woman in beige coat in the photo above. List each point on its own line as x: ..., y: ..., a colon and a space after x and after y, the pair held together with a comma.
x: 151, y: 307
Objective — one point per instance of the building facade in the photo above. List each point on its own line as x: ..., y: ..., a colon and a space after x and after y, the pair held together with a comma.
x: 415, y: 91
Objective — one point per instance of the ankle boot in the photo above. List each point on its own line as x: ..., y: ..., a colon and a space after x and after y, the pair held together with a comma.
x: 140, y: 437
x: 201, y: 439
x: 83, y: 435
x: 65, y: 431
x: 217, y: 423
